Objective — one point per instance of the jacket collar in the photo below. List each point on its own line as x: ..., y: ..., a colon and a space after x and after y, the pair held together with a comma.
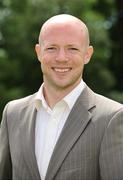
x: 76, y: 123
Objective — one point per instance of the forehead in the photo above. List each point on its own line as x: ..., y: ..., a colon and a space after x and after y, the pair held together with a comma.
x: 63, y: 30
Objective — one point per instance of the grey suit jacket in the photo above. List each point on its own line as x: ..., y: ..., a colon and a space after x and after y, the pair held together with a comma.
x: 90, y: 146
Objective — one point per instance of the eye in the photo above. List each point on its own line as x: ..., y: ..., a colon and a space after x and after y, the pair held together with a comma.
x: 52, y: 48
x: 73, y: 49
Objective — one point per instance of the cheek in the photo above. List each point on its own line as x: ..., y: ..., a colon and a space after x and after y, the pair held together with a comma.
x: 45, y: 60
x: 79, y: 61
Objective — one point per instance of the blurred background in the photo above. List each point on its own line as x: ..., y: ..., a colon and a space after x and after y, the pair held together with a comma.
x: 20, y: 23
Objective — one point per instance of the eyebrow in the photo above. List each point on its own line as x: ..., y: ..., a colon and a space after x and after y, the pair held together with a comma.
x: 70, y: 45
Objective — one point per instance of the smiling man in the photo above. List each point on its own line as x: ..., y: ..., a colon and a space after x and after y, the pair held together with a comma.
x: 65, y: 131
x: 63, y: 50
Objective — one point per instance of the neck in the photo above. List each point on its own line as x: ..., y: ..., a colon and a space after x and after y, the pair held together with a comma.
x: 52, y: 95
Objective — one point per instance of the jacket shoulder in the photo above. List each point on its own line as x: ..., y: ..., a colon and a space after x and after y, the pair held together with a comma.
x: 20, y: 103
x: 106, y: 104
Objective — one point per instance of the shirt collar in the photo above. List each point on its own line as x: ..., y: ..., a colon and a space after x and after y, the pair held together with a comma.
x: 69, y: 99
x: 39, y: 99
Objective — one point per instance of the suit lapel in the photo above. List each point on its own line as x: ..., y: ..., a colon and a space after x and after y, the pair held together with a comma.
x: 76, y: 123
x: 27, y: 136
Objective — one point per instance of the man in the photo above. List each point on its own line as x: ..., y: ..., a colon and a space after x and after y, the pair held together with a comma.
x: 65, y: 131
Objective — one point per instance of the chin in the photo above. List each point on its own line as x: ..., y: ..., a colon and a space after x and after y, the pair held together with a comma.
x: 64, y: 85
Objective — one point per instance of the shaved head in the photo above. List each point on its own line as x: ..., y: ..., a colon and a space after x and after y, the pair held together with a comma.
x: 63, y: 50
x: 63, y: 19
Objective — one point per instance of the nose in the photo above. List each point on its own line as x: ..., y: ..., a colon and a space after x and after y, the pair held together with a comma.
x: 61, y: 55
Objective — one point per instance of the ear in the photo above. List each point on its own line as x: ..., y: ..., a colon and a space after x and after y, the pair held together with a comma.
x: 88, y: 54
x: 38, y: 51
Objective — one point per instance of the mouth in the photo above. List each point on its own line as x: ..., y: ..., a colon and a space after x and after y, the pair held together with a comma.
x: 61, y: 70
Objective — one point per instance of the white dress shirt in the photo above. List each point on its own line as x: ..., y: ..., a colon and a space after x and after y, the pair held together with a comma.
x: 49, y: 124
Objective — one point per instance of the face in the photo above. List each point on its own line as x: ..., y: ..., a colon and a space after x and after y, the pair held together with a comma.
x: 63, y: 51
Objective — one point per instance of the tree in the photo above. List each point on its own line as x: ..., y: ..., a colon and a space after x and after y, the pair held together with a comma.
x: 19, y: 28
x: 116, y: 57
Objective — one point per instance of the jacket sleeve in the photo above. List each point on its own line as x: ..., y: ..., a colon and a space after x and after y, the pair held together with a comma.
x: 111, y: 152
x: 5, y: 157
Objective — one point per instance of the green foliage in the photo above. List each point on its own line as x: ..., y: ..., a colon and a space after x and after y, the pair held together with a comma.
x: 20, y: 24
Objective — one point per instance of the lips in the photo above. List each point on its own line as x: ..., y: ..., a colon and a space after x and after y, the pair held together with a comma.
x: 62, y: 70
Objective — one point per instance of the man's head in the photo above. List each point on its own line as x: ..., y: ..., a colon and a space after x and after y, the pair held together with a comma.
x: 63, y: 50
x: 62, y: 19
